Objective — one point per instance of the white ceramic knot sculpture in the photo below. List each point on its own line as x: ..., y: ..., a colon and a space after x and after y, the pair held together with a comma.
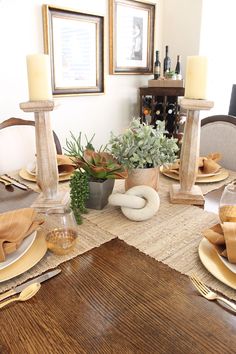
x: 138, y: 203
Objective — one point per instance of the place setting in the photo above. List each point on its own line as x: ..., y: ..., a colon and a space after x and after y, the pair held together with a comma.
x: 26, y: 238
x: 209, y: 170
x: 15, y: 194
x: 65, y: 168
x: 217, y: 251
x: 19, y: 190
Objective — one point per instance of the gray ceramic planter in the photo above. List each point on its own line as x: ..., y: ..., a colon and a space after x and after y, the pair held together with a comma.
x: 99, y: 193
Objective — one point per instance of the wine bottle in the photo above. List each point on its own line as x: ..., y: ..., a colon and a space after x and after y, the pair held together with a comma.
x: 157, y: 67
x: 178, y: 68
x: 170, y: 108
x: 158, y: 111
x: 167, y: 62
x: 170, y: 117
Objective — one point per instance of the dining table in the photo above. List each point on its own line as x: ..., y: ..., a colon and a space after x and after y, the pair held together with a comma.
x: 114, y: 298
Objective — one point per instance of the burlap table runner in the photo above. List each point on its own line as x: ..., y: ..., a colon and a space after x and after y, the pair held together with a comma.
x: 172, y: 237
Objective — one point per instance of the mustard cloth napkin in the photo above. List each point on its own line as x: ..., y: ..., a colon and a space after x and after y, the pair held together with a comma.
x: 14, y: 227
x: 223, y: 236
x: 64, y: 163
x: 206, y: 164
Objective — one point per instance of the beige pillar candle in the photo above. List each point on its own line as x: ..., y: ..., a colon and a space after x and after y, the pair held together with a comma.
x: 39, y: 77
x: 196, y: 77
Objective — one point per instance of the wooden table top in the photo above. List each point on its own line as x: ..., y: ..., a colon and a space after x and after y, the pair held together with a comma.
x: 114, y: 299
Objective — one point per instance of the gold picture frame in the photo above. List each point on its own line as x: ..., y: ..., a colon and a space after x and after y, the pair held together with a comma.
x: 75, y: 44
x: 131, y: 37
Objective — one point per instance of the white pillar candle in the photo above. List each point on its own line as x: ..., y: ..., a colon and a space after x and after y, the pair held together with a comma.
x: 196, y: 77
x: 39, y: 77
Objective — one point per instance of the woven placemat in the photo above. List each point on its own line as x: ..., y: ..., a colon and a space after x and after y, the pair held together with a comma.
x: 172, y: 236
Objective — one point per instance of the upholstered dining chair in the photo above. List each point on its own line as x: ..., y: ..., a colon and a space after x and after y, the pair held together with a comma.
x: 218, y: 134
x: 232, y: 104
x: 17, y: 144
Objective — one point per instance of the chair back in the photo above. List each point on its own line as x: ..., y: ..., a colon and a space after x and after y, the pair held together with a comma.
x: 218, y: 134
x: 17, y: 144
x: 232, y: 104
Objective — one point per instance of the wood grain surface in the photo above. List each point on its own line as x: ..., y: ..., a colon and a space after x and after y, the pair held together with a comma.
x: 115, y: 299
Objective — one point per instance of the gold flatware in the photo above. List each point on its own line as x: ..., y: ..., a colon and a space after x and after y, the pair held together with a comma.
x: 209, y: 294
x: 14, y: 182
x: 8, y: 185
x: 38, y: 279
x: 26, y: 294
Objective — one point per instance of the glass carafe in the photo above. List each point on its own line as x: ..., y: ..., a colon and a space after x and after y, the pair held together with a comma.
x: 227, y: 208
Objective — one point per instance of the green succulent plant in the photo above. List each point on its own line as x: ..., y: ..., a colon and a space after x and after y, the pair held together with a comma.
x: 143, y: 146
x: 97, y: 164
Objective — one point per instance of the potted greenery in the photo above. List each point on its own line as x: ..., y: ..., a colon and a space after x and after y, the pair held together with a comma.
x: 142, y: 149
x: 93, y: 180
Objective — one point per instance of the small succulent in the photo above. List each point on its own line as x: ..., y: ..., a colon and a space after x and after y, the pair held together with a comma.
x: 101, y: 165
x: 97, y: 164
x: 143, y: 146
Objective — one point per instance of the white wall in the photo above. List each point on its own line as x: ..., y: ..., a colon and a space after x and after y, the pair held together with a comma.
x: 21, y: 33
x: 204, y: 27
x: 218, y: 43
x: 189, y: 27
x: 181, y: 29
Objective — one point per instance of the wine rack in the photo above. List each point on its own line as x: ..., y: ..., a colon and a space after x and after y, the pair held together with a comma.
x: 161, y: 103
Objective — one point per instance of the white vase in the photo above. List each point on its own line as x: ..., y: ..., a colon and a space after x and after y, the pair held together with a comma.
x: 143, y: 176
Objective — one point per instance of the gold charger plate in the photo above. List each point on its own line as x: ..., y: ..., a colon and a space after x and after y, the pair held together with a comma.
x: 211, y: 179
x: 210, y: 259
x: 27, y: 261
x: 28, y: 177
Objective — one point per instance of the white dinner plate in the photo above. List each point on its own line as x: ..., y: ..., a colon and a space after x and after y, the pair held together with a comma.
x: 14, y: 256
x: 32, y: 170
x: 28, y: 177
x: 33, y: 255
x: 213, y: 263
x: 229, y: 265
x: 33, y: 173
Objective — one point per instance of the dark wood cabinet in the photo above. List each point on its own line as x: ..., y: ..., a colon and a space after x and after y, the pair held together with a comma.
x: 161, y: 103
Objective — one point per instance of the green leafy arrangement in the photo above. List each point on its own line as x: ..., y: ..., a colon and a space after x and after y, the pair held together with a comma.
x: 143, y: 146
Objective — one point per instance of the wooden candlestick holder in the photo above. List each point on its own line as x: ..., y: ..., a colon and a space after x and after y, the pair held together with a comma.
x: 47, y: 171
x: 187, y: 192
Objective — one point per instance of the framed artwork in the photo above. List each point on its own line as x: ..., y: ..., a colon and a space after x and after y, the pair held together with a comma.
x: 75, y: 44
x: 131, y: 37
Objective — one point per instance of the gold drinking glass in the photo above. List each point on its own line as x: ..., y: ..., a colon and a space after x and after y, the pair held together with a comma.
x: 227, y: 209
x: 61, y: 230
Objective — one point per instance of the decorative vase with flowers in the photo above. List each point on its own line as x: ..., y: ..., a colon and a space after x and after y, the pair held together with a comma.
x: 142, y: 149
x: 93, y: 180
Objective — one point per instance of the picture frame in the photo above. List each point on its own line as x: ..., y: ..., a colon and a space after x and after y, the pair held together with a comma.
x: 131, y: 37
x: 75, y: 44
